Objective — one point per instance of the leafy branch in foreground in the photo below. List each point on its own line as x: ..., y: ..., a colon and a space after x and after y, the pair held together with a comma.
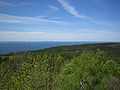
x: 90, y: 71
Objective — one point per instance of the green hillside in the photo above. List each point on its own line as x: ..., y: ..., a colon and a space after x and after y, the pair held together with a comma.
x: 76, y: 67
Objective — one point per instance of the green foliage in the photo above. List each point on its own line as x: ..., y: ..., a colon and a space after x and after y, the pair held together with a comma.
x: 29, y: 71
x: 90, y: 71
x: 63, y: 68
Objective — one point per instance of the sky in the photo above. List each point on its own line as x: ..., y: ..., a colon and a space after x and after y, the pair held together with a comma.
x: 59, y: 20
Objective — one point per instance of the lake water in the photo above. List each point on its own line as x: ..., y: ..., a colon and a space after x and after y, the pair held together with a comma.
x: 8, y: 47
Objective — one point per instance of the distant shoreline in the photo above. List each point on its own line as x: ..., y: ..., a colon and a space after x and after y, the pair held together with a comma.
x: 60, y: 47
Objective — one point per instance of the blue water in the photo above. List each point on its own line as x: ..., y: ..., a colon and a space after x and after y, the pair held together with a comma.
x: 8, y: 47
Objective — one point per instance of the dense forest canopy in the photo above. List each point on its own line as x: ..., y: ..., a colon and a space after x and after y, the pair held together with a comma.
x: 79, y: 67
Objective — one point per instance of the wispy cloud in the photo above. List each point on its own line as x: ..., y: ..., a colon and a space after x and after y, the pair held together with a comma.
x: 57, y: 18
x: 5, y: 3
x: 53, y: 8
x: 106, y: 23
x: 45, y: 36
x: 5, y: 18
x: 69, y: 8
x: 72, y: 10
x: 103, y: 23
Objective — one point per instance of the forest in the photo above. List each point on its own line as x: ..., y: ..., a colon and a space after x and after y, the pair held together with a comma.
x: 75, y: 67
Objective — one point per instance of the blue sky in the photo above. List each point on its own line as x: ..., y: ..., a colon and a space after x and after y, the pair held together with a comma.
x: 59, y: 20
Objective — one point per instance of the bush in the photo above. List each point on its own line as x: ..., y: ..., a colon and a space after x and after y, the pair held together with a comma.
x: 90, y: 71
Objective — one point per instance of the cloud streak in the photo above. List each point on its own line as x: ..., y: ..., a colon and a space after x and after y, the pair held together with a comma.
x: 4, y: 3
x: 70, y: 9
x: 53, y: 8
x: 5, y: 18
x: 45, y: 36
x: 103, y: 23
